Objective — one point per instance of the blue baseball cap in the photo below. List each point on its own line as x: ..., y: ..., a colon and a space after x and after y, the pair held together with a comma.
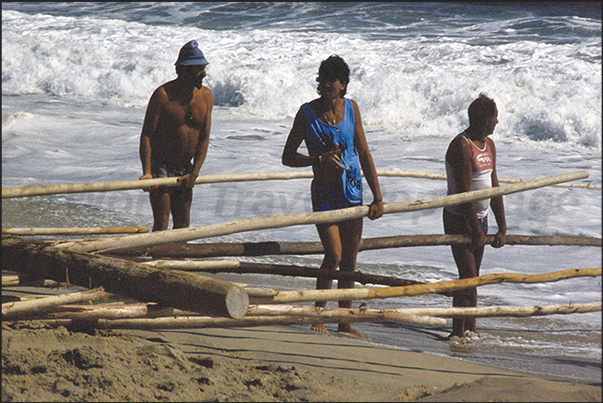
x: 191, y: 55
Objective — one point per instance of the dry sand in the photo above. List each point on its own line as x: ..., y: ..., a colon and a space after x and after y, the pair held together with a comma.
x: 273, y: 363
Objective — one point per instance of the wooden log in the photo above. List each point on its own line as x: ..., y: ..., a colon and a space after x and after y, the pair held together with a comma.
x: 88, y: 187
x: 426, y: 175
x: 560, y: 185
x: 286, y: 297
x: 195, y: 265
x: 252, y: 224
x: 15, y: 281
x: 343, y: 314
x: 186, y: 291
x: 220, y: 249
x: 424, y: 317
x: 114, y: 311
x: 447, y: 312
x: 506, y: 311
x: 449, y: 239
x: 66, y: 188
x: 12, y: 310
x: 73, y: 231
x: 200, y: 322
x: 110, y: 311
x: 234, y: 266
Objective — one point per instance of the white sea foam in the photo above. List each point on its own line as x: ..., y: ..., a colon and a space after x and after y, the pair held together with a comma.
x: 419, y: 86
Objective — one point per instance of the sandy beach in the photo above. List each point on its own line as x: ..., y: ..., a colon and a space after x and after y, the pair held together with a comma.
x: 275, y: 363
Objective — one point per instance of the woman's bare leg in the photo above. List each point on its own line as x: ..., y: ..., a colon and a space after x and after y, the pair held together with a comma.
x: 351, y: 235
x: 329, y: 236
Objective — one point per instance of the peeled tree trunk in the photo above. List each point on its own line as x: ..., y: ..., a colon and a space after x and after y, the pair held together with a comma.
x: 175, y: 288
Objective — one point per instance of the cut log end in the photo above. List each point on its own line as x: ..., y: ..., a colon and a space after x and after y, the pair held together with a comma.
x: 237, y: 302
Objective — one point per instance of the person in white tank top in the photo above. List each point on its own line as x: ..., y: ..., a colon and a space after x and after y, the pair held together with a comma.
x: 471, y: 165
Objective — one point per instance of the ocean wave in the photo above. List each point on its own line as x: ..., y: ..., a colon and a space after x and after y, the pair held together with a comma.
x: 419, y: 86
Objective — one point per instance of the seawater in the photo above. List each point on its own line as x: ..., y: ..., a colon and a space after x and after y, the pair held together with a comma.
x: 76, y: 78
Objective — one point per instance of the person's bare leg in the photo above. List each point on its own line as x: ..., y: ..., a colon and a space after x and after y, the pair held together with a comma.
x: 329, y: 236
x: 468, y: 261
x: 351, y: 235
x: 181, y: 200
x: 160, y: 204
x: 470, y: 322
x: 465, y: 260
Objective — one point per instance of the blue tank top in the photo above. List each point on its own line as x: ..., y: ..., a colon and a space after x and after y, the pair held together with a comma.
x: 321, y: 136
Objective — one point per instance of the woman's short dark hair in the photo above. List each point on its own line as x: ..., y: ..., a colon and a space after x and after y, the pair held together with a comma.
x: 481, y: 109
x: 334, y: 67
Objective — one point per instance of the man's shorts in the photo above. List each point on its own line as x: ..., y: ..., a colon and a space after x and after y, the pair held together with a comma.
x: 171, y: 171
x: 457, y: 224
x: 165, y: 171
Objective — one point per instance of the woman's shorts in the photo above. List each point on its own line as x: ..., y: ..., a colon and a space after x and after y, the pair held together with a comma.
x: 327, y: 197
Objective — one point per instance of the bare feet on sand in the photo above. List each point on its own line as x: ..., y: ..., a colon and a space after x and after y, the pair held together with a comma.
x: 343, y: 328
x: 320, y: 328
x: 347, y: 328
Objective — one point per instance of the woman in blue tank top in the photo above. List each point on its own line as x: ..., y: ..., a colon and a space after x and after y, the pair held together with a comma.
x: 338, y: 153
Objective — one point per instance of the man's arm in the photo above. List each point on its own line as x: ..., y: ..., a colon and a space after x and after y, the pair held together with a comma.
x: 203, y: 143
x: 149, y: 127
x: 497, y: 205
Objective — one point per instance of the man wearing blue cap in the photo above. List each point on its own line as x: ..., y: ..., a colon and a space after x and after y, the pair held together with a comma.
x: 175, y: 131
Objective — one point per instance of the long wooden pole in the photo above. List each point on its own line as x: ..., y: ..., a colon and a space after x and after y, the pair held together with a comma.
x: 260, y: 315
x: 220, y: 249
x: 426, y: 175
x: 424, y: 317
x: 507, y: 311
x: 73, y: 230
x: 252, y: 224
x: 286, y: 297
x: 87, y: 187
x: 106, y: 311
x: 140, y: 310
x: 448, y: 312
x: 200, y: 322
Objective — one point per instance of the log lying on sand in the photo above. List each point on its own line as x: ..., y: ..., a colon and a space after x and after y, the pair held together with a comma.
x: 13, y: 310
x: 186, y: 291
x: 259, y: 315
x: 253, y: 224
x: 423, y: 317
x: 118, y: 311
x: 219, y: 249
x: 114, y: 310
x: 74, y: 230
x: 480, y: 312
x: 199, y: 322
x: 285, y: 297
x: 508, y: 311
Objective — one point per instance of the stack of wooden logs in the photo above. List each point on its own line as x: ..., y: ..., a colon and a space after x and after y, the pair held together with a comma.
x: 166, y: 293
